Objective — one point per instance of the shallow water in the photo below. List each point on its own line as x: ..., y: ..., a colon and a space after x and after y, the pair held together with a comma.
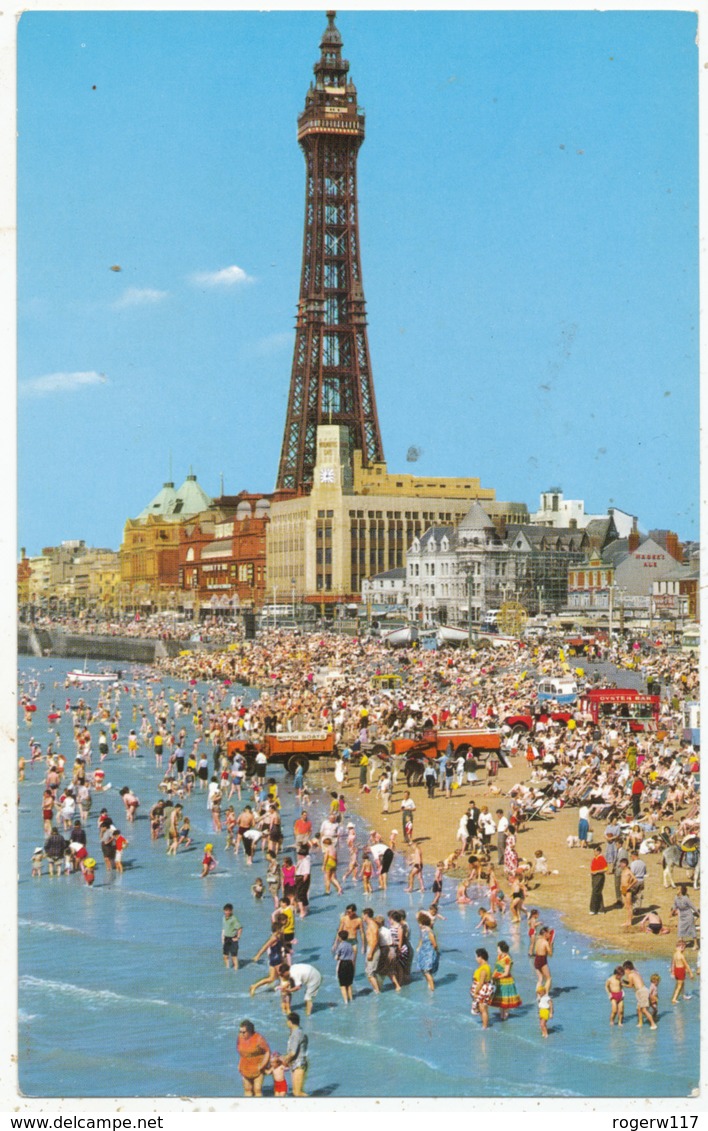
x: 122, y: 990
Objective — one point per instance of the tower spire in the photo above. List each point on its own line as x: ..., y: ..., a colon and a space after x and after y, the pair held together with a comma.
x: 331, y: 374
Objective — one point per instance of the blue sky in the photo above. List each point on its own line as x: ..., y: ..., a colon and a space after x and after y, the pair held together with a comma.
x: 529, y: 231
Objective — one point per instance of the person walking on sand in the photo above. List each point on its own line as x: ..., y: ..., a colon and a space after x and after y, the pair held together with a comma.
x: 613, y: 988
x: 598, y: 870
x: 687, y: 915
x: 634, y: 979
x: 628, y: 882
x: 679, y: 968
x: 384, y: 788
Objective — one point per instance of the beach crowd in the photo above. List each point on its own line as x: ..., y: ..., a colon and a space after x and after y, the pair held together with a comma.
x: 639, y: 788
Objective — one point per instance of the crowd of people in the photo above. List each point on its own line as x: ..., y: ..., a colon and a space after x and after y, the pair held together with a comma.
x: 641, y: 787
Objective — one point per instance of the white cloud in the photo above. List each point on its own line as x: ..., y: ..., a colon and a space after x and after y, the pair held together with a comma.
x: 272, y: 344
x: 139, y: 296
x: 227, y: 277
x: 60, y: 383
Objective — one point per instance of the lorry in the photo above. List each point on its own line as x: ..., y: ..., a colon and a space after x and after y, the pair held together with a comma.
x: 476, y: 745
x: 286, y: 748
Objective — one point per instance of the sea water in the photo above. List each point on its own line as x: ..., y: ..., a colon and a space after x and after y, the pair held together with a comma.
x: 122, y: 989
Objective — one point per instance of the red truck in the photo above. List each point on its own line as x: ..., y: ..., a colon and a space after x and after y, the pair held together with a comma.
x: 286, y: 748
x: 525, y: 724
x: 472, y: 743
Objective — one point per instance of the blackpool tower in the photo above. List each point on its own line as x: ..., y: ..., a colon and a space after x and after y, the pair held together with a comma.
x: 331, y: 380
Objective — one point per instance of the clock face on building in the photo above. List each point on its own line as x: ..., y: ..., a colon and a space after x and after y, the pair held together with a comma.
x: 326, y: 475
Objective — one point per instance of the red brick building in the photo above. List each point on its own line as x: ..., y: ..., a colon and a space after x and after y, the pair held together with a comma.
x: 222, y: 552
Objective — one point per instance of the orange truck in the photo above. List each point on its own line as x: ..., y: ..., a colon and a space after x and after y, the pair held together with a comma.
x: 475, y: 745
x: 286, y: 748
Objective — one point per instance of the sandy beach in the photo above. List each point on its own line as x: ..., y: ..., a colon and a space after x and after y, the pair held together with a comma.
x: 436, y: 823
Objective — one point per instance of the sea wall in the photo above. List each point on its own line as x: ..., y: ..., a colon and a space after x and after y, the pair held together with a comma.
x: 56, y: 641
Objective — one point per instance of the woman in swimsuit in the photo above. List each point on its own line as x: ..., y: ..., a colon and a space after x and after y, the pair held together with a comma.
x: 518, y: 895
x: 276, y: 954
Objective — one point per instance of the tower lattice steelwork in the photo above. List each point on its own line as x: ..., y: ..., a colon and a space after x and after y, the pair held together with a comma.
x: 331, y: 380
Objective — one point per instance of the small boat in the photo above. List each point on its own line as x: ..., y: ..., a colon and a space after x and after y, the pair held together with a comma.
x: 448, y: 634
x: 79, y: 675
x: 496, y: 639
x: 401, y: 637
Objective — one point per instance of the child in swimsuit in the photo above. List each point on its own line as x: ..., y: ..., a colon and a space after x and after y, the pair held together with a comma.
x: 277, y: 1071
x: 545, y: 1009
x: 654, y: 996
x: 613, y: 986
x: 487, y: 921
x: 438, y: 882
x: 367, y: 871
x: 208, y: 861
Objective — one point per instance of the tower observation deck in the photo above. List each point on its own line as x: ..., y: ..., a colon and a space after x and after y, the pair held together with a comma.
x: 331, y: 380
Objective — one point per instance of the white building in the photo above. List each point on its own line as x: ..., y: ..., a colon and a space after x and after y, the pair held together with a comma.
x: 555, y: 510
x: 387, y: 588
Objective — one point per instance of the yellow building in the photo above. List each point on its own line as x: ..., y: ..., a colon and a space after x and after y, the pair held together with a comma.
x: 149, y: 554
x: 357, y: 521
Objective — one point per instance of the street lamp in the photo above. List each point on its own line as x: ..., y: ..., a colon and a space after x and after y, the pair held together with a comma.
x: 292, y: 588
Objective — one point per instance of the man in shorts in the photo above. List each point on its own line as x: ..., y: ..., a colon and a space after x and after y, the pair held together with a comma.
x: 372, y: 951
x: 634, y: 979
x: 299, y: 976
x: 296, y: 1054
x: 230, y: 934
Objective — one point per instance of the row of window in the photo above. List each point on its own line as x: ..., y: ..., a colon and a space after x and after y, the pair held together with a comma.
x: 593, y: 579
x: 424, y: 516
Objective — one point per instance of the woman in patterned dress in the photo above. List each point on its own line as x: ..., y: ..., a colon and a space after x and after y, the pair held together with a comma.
x: 506, y: 995
x: 511, y: 857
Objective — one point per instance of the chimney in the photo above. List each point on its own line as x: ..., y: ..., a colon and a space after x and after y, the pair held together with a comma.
x: 673, y: 546
x: 633, y: 540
